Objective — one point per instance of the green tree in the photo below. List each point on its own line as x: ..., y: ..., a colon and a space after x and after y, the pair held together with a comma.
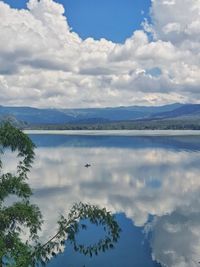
x: 22, y: 215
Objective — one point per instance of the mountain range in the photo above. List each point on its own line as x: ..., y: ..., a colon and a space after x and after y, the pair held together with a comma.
x: 37, y: 116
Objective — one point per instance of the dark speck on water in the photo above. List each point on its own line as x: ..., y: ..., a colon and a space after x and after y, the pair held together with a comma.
x: 151, y: 185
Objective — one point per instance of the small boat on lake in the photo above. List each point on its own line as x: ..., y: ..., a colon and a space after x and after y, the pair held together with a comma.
x: 87, y: 165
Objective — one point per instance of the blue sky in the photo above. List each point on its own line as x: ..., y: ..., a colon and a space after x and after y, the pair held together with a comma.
x: 114, y: 20
x: 97, y: 54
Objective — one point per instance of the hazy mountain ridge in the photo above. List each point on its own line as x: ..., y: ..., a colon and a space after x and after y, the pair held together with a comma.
x: 182, y: 111
x: 57, y: 116
x: 129, y: 117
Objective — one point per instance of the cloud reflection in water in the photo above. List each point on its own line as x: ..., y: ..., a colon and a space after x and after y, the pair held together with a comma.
x: 138, y: 181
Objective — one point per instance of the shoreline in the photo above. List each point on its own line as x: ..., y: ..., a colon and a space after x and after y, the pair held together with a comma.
x: 117, y: 132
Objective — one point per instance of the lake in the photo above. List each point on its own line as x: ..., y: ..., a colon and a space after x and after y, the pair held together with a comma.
x: 151, y: 184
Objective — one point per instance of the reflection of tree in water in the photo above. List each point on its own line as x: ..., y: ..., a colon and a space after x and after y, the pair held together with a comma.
x: 23, y: 218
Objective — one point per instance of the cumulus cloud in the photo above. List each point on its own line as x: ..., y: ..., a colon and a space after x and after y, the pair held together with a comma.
x: 176, y: 21
x: 45, y: 64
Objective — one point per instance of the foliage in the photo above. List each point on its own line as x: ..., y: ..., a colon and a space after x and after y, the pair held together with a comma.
x: 22, y: 215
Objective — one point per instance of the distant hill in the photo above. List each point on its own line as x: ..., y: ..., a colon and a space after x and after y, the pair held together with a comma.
x: 133, y: 117
x: 35, y: 115
x: 187, y: 110
x: 60, y: 116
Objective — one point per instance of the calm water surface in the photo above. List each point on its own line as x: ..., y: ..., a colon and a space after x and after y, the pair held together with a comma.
x: 152, y: 184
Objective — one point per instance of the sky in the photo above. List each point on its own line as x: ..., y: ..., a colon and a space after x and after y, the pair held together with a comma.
x: 91, y: 53
x: 110, y: 19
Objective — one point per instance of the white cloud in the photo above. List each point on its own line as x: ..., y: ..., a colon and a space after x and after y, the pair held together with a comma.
x: 172, y: 27
x: 45, y: 64
x: 177, y: 20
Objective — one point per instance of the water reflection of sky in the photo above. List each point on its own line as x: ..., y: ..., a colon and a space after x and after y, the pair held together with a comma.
x: 134, y: 177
